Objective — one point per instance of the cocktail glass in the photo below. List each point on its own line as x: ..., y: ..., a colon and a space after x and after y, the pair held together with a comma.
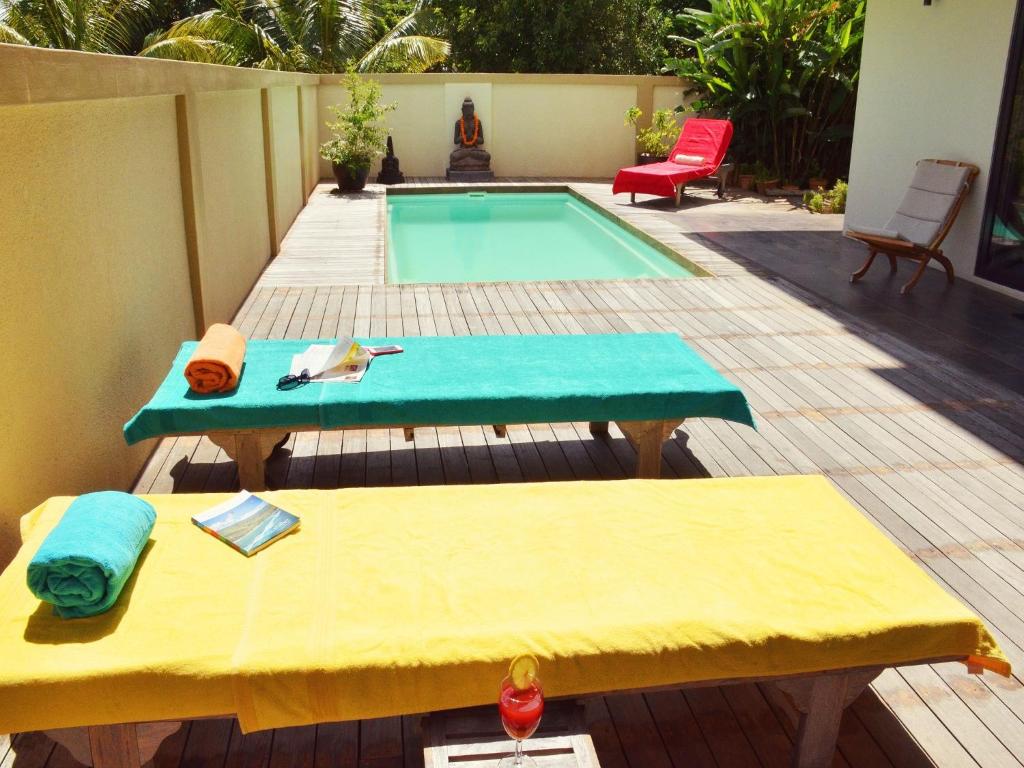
x: 521, y: 709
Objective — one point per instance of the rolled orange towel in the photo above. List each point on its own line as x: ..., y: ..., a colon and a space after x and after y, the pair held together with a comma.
x: 217, y: 362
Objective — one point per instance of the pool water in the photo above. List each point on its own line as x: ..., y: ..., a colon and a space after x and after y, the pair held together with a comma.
x: 513, y: 236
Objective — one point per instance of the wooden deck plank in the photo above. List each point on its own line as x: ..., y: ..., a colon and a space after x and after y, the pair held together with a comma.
x: 925, y: 447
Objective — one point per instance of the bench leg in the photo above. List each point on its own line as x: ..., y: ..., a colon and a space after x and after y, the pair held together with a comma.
x: 114, y: 746
x: 632, y: 197
x: 148, y: 737
x: 500, y: 430
x: 410, y: 434
x: 599, y: 428
x: 647, y: 437
x: 820, y: 701
x: 250, y: 450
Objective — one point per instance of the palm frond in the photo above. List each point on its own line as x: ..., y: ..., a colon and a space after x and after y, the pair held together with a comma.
x: 189, y: 48
x: 411, y: 53
x: 11, y: 36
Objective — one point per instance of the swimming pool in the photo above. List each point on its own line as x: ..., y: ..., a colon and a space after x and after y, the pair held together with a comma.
x: 480, y: 236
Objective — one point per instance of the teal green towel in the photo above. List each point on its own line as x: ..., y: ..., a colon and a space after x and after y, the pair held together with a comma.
x: 458, y: 380
x: 83, y: 564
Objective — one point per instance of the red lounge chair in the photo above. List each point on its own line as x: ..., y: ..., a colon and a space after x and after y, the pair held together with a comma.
x: 697, y: 155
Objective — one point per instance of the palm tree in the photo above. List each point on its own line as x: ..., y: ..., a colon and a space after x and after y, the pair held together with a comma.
x: 305, y: 35
x: 100, y: 26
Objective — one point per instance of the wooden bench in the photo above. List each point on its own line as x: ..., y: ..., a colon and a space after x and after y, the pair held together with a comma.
x: 390, y: 601
x: 647, y: 383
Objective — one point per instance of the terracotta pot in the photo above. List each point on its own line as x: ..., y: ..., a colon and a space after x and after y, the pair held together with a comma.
x: 826, y: 206
x: 766, y: 184
x: 351, y: 179
x: 790, y: 187
x: 746, y: 181
x: 817, y: 183
x: 646, y: 159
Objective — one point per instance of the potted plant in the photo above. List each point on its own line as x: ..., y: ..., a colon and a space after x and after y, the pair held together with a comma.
x: 765, y: 178
x: 655, y: 141
x: 817, y: 180
x: 356, y: 137
x: 747, y: 177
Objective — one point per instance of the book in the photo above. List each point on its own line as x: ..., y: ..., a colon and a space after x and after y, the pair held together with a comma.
x: 246, y: 522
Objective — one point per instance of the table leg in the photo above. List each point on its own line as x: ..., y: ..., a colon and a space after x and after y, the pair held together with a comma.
x: 647, y: 437
x: 820, y: 701
x: 250, y: 449
x: 114, y: 746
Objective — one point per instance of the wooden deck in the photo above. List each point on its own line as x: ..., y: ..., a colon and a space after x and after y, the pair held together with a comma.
x: 930, y: 451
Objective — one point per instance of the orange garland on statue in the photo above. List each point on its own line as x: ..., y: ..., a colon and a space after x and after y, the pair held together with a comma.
x: 476, y: 131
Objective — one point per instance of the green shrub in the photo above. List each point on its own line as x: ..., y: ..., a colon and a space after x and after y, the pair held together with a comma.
x: 784, y: 71
x: 835, y: 197
x: 658, y: 139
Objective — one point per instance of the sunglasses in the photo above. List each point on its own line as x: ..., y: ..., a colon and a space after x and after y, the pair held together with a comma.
x: 291, y: 381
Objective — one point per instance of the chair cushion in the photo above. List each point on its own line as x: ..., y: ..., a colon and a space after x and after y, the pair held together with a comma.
x: 928, y: 202
x: 892, y: 234
x: 689, y: 159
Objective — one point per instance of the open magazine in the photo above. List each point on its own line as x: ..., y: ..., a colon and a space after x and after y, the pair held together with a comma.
x: 345, y: 362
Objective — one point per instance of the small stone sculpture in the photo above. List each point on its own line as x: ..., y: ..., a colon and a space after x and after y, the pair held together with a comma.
x: 469, y: 162
x: 389, y: 173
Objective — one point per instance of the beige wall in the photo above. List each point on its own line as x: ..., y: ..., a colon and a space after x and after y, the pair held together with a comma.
x: 133, y: 200
x: 554, y: 130
x: 310, y: 112
x: 289, y: 190
x: 518, y: 114
x: 95, y: 296
x: 237, y: 232
x: 931, y: 83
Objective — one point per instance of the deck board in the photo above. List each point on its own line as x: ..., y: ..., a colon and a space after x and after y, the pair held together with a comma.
x: 926, y: 446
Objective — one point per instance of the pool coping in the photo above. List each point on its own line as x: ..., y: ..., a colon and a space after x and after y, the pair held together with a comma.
x: 698, y: 271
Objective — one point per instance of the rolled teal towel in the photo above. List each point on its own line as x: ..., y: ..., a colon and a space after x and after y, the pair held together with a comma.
x: 83, y: 564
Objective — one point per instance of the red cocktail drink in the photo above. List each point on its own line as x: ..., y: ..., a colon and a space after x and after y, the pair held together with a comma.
x: 520, y: 703
x: 520, y: 709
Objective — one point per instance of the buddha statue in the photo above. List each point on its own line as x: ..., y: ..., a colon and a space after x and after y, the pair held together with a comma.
x: 389, y: 172
x: 469, y: 161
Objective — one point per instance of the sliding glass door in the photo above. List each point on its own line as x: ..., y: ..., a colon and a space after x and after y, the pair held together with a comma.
x: 1001, y: 256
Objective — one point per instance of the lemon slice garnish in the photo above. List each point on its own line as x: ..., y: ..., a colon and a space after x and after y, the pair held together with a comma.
x: 523, y: 671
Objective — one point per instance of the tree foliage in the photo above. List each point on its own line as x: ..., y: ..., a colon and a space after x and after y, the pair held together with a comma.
x: 784, y: 71
x: 583, y: 36
x: 97, y: 26
x: 304, y: 35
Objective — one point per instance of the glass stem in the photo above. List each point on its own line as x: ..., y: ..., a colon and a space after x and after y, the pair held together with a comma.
x: 519, y: 753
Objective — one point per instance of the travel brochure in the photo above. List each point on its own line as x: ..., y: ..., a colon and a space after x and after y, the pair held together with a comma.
x: 247, y: 523
x: 343, y: 363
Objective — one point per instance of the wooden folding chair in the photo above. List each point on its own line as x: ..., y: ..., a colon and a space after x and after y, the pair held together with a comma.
x: 922, y: 221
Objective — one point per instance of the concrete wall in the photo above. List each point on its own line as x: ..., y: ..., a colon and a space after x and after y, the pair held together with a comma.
x: 289, y: 186
x: 237, y: 239
x: 133, y: 205
x: 931, y: 84
x: 309, y: 112
x: 95, y: 293
x: 534, y: 125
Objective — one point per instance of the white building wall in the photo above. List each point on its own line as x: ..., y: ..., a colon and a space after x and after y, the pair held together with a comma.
x: 931, y: 85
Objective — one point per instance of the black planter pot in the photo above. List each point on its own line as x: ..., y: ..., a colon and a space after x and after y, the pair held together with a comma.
x: 351, y: 179
x: 646, y: 159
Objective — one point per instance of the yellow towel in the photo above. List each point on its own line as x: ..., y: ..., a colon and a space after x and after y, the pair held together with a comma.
x: 399, y: 600
x: 217, y: 362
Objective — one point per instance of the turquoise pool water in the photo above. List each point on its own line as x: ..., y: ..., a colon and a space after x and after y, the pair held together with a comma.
x: 512, y: 236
